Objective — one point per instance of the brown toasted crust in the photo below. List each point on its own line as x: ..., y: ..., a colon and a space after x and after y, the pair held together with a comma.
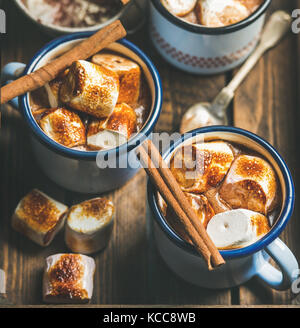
x: 123, y: 120
x: 199, y: 170
x: 65, y: 278
x: 251, y: 5
x: 66, y: 127
x: 90, y: 88
x: 261, y: 223
x: 129, y: 75
x: 96, y: 207
x: 37, y: 212
x: 251, y: 184
x: 199, y: 204
x: 191, y: 17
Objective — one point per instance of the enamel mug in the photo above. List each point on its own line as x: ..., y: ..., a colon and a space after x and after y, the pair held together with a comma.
x: 244, y: 263
x: 203, y: 50
x: 78, y: 170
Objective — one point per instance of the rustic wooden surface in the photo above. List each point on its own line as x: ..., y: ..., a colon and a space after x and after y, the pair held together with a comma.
x: 130, y: 270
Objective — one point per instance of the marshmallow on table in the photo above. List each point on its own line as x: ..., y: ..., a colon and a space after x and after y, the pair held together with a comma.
x: 89, y: 225
x: 90, y: 88
x: 251, y: 184
x: 217, y: 13
x: 116, y: 130
x: 129, y: 74
x: 237, y: 228
x: 68, y: 278
x: 199, y: 204
x: 201, y: 166
x: 179, y: 7
x: 39, y: 217
x: 64, y: 126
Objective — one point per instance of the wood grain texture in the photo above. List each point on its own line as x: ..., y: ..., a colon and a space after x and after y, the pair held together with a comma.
x: 130, y: 270
x: 266, y: 104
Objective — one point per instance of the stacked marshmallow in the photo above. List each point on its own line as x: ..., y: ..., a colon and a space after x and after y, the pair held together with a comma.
x: 240, y: 189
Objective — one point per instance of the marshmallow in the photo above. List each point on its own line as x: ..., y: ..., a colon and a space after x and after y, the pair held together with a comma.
x: 113, y: 132
x: 68, y: 278
x: 39, y: 217
x: 217, y: 13
x: 89, y: 225
x: 199, y: 204
x: 90, y: 88
x: 53, y: 87
x: 129, y: 75
x: 201, y: 166
x: 64, y: 127
x: 191, y: 18
x: 251, y: 184
x: 251, y: 5
x: 179, y: 7
x: 237, y: 228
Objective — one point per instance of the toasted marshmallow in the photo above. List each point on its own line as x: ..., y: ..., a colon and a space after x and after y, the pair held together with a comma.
x: 217, y: 13
x: 251, y: 5
x: 179, y: 7
x: 39, y: 217
x: 68, y: 278
x: 237, y: 228
x: 200, y: 205
x: 89, y: 225
x: 53, y: 87
x: 129, y: 74
x: 90, y: 88
x: 113, y: 132
x: 251, y: 184
x: 217, y: 203
x: 64, y: 127
x: 201, y: 166
x: 191, y: 18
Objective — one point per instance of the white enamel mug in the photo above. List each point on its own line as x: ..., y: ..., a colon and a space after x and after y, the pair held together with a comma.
x: 244, y: 263
x: 203, y: 50
x: 78, y: 170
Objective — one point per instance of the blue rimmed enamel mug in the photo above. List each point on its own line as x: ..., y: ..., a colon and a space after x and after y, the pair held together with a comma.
x: 78, y: 170
x: 244, y: 263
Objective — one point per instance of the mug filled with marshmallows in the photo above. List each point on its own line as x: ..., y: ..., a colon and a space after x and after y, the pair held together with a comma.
x: 243, y: 194
x: 206, y: 36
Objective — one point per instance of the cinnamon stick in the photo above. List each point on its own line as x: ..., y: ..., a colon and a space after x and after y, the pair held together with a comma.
x: 45, y: 74
x: 171, y: 201
x: 180, y: 197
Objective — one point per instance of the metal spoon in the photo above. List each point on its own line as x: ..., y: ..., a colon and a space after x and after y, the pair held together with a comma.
x: 204, y: 114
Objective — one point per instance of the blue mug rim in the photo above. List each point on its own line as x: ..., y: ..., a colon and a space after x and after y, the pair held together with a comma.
x: 260, y: 244
x: 91, y: 155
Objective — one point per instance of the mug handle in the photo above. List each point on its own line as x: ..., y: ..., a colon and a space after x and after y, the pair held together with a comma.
x: 10, y: 72
x: 140, y: 21
x: 289, y: 269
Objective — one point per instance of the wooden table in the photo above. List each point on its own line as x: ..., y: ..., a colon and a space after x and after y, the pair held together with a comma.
x: 130, y: 270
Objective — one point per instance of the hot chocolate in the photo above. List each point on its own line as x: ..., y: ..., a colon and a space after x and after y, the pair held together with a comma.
x: 234, y: 191
x: 212, y: 13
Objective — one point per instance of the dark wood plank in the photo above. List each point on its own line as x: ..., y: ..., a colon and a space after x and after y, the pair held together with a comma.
x: 266, y: 104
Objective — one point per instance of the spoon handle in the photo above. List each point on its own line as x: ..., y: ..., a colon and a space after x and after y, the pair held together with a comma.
x: 276, y: 27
